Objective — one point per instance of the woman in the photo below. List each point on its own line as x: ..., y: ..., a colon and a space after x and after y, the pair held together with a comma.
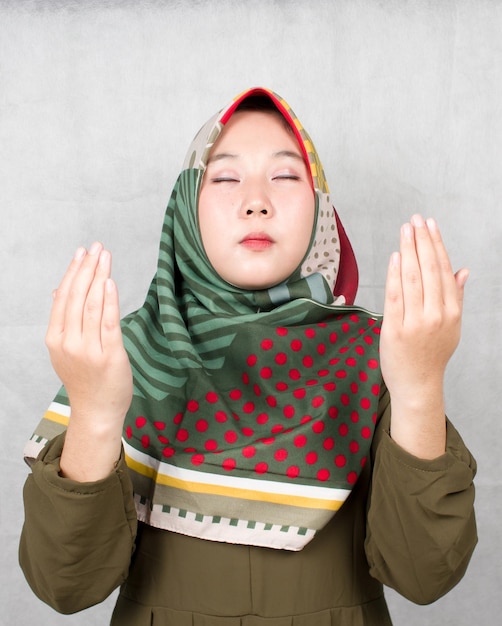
x: 232, y: 456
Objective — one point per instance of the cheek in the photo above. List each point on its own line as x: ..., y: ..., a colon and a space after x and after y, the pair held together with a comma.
x: 304, y: 221
x: 208, y: 230
x: 206, y: 217
x: 213, y: 223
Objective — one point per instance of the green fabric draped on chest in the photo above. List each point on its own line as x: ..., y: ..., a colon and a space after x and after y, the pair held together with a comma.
x: 276, y: 436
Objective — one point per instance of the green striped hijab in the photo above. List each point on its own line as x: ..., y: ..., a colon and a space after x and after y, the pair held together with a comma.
x: 253, y: 412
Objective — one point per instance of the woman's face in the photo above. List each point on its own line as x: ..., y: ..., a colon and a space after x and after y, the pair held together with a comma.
x: 256, y: 205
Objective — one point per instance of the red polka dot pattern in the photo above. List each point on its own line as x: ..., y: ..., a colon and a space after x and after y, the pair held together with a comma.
x: 301, y: 406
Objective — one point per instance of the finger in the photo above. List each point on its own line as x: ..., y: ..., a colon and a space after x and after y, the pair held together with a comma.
x: 94, y: 302
x: 460, y: 279
x: 450, y: 288
x: 394, y: 304
x: 111, y: 333
x: 78, y: 291
x: 60, y: 295
x: 411, y: 276
x: 430, y: 268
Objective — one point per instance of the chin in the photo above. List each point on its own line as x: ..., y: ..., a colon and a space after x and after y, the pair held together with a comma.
x: 252, y: 285
x: 256, y: 286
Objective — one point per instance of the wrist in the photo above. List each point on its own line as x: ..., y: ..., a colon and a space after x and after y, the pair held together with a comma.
x: 418, y: 425
x: 91, y: 449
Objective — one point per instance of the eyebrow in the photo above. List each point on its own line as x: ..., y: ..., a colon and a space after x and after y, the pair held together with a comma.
x: 221, y: 155
x: 288, y: 153
x: 281, y: 153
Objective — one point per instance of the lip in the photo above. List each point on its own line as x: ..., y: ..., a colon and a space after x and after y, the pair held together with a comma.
x: 257, y: 241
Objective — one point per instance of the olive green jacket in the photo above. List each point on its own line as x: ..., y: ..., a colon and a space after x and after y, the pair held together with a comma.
x: 408, y: 524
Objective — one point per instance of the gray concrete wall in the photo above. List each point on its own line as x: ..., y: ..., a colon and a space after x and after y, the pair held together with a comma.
x: 98, y: 101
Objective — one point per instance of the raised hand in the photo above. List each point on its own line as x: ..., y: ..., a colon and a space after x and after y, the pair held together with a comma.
x: 420, y: 332
x: 86, y: 349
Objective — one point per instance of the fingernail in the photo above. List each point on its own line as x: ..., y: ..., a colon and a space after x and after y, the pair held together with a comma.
x: 94, y: 248
x: 104, y: 257
x: 417, y: 220
x: 79, y: 254
x: 394, y: 259
x: 407, y: 231
x: 431, y: 223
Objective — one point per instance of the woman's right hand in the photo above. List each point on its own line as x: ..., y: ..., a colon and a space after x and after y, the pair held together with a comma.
x: 84, y: 339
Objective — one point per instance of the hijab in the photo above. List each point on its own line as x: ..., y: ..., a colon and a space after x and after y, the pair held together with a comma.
x: 253, y: 411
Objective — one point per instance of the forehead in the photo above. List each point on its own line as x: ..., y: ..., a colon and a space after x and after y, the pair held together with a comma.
x: 261, y: 129
x: 197, y: 155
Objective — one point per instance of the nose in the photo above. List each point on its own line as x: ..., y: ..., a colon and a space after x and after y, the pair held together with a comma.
x: 256, y: 202
x: 251, y: 211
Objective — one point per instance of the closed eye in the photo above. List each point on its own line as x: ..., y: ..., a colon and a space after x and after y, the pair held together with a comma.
x: 286, y: 177
x: 224, y: 179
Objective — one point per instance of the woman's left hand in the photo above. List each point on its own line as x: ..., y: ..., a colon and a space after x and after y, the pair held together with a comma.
x: 420, y: 332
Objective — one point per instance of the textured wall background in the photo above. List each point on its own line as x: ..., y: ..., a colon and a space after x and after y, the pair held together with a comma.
x: 98, y: 101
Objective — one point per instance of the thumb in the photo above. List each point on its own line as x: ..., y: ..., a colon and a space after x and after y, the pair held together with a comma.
x: 460, y: 279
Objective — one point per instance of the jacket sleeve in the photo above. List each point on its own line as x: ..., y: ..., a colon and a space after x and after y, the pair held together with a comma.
x: 421, y: 528
x: 77, y: 538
